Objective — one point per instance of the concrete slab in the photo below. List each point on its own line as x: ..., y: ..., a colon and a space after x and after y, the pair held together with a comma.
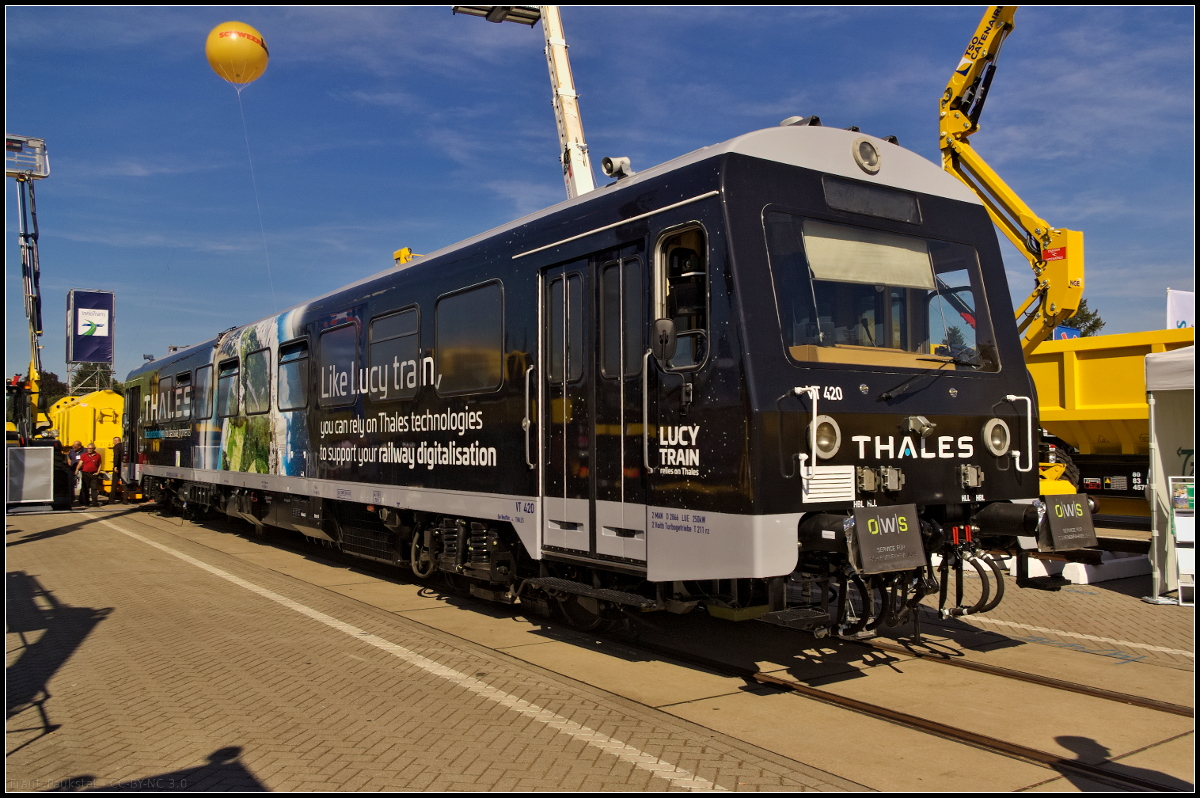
x: 626, y: 672
x: 1063, y: 723
x: 847, y: 744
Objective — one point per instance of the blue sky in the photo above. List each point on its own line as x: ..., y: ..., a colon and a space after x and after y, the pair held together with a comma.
x: 377, y: 128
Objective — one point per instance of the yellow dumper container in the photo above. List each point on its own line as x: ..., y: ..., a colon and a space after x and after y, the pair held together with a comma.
x: 92, y: 418
x: 1092, y: 395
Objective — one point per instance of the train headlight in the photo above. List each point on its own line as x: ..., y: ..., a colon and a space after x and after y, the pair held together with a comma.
x: 866, y: 156
x: 828, y: 437
x: 996, y: 437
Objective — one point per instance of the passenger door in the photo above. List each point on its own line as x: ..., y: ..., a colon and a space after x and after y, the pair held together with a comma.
x: 593, y: 339
x: 619, y: 472
x: 566, y: 410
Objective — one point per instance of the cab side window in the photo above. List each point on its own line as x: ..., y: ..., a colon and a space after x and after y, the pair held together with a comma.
x: 681, y: 293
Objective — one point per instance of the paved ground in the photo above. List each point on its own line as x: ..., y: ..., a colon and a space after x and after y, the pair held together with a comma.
x: 1107, y: 618
x: 147, y: 652
x: 139, y: 659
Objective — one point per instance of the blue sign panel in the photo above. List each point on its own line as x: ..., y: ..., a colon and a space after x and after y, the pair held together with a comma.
x: 90, y: 317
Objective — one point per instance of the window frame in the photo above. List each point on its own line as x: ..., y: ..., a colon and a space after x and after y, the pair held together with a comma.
x: 416, y: 333
x: 982, y: 307
x: 236, y: 378
x: 305, y: 383
x: 661, y: 265
x: 352, y: 393
x: 208, y: 394
x: 437, y: 342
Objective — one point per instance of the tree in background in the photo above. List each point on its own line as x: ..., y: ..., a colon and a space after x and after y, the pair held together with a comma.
x: 52, y: 389
x: 1086, y: 320
x: 95, y: 377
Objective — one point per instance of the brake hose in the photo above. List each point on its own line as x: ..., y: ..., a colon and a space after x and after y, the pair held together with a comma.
x: 986, y: 591
x: 996, y: 569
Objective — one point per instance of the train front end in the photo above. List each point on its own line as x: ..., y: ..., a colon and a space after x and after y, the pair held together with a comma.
x: 892, y: 406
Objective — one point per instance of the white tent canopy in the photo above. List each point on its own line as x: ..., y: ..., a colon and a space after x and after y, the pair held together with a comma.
x: 1171, y: 371
x: 1171, y: 394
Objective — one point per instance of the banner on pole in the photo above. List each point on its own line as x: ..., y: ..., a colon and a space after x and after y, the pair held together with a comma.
x: 90, y: 317
x: 1181, y: 309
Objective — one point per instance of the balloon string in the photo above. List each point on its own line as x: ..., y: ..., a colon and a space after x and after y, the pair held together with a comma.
x: 262, y: 228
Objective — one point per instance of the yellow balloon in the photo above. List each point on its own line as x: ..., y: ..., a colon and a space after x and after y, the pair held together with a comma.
x: 236, y: 52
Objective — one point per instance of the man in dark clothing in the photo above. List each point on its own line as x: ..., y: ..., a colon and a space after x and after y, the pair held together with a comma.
x: 89, y: 470
x: 117, y: 494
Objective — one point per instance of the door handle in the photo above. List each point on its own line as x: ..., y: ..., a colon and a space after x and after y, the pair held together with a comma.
x: 646, y: 411
x: 526, y: 424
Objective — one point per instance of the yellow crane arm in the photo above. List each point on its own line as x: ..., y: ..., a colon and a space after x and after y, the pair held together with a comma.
x: 1054, y: 254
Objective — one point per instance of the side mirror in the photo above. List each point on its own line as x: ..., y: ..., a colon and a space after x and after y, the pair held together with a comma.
x: 662, y: 340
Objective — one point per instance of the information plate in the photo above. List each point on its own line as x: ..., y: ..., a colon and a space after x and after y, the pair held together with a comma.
x: 1068, y: 524
x: 886, y: 539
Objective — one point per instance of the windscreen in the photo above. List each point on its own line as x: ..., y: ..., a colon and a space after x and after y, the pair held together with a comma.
x: 852, y: 294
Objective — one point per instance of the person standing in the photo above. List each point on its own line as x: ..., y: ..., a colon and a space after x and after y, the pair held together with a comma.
x: 117, y: 495
x: 89, y: 470
x: 73, y: 458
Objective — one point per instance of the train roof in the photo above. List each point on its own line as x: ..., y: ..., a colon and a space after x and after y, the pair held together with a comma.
x: 825, y: 149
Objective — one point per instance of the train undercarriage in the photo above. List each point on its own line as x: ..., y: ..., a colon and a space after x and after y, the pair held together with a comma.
x: 825, y: 594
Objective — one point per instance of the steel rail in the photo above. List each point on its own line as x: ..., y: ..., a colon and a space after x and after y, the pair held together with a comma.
x: 974, y: 739
x: 1034, y: 678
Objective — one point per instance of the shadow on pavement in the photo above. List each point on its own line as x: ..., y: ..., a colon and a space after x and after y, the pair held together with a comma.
x: 31, y: 608
x: 1093, y: 753
x: 65, y: 529
x: 221, y: 773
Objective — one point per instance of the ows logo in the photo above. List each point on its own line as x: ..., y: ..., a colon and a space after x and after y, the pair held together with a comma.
x: 886, y: 525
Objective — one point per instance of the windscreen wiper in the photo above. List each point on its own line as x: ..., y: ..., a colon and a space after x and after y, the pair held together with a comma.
x: 944, y: 360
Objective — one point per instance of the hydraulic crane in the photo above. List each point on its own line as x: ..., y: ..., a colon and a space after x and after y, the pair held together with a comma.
x: 1054, y: 254
x: 26, y: 160
x: 576, y: 164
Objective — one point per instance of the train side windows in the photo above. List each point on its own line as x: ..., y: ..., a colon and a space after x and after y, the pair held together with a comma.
x: 227, y: 389
x: 337, y: 356
x: 293, y: 376
x: 621, y: 310
x: 256, y: 381
x: 183, y: 395
x: 395, y: 356
x: 166, y: 399
x: 202, y: 393
x: 470, y: 340
x: 681, y: 293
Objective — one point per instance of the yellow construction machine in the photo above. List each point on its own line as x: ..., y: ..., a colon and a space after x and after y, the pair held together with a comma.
x: 1091, y: 392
